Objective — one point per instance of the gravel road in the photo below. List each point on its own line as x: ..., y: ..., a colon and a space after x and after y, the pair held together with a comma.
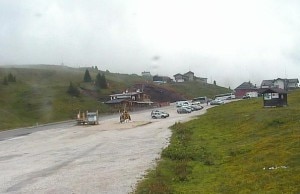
x: 105, y: 158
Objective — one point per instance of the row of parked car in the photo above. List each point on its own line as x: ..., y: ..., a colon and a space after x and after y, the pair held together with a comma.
x: 186, y: 107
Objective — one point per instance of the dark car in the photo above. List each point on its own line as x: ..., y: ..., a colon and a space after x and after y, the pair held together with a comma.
x: 196, y: 107
x: 183, y: 110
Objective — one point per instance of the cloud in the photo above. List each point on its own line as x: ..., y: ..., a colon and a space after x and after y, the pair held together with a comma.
x: 228, y: 41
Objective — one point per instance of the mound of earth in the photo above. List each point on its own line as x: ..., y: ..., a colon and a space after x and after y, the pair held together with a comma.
x: 159, y: 93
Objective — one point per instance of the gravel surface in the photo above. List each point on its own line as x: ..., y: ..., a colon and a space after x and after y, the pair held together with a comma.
x: 105, y: 158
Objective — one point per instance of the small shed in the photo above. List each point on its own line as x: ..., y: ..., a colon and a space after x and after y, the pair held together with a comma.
x: 274, y: 97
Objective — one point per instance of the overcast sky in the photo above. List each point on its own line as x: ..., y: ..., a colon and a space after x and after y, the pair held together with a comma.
x: 230, y: 41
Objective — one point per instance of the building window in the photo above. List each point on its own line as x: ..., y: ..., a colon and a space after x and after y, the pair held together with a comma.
x: 267, y: 96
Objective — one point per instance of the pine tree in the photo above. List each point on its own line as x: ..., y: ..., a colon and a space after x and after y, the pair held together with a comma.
x: 98, y: 80
x: 215, y: 83
x: 103, y: 82
x: 87, y: 76
x: 11, y: 78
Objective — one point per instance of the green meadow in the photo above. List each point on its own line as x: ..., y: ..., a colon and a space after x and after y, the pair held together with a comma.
x: 239, y: 147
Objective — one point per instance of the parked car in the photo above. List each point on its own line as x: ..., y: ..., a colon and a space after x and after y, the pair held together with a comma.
x: 216, y: 102
x: 196, y: 107
x: 183, y: 110
x: 182, y: 103
x: 157, y: 114
x: 246, y: 97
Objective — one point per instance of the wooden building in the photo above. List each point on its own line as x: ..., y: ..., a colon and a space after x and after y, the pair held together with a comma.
x: 274, y: 97
x: 130, y: 100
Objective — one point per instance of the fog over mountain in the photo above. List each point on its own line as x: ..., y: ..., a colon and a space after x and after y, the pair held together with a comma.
x: 228, y: 41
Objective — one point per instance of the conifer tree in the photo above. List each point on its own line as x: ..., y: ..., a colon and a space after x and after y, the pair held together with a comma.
x: 87, y: 76
x: 98, y: 80
x: 103, y: 82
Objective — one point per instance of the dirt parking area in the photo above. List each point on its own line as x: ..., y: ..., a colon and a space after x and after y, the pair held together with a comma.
x: 106, y: 158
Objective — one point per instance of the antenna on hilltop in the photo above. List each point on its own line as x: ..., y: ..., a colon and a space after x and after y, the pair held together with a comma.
x: 62, y: 61
x: 285, y: 71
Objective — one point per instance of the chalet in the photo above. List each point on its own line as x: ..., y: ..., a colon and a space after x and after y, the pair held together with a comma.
x: 274, y: 97
x: 180, y: 78
x: 285, y: 84
x: 201, y: 79
x: 245, y: 88
x: 189, y: 76
x: 130, y: 99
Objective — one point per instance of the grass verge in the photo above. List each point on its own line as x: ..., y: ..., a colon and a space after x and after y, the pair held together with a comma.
x: 239, y: 147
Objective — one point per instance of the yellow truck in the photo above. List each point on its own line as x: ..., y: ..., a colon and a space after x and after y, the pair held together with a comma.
x: 88, y: 118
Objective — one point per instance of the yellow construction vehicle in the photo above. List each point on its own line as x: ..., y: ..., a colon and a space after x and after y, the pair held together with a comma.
x: 88, y: 118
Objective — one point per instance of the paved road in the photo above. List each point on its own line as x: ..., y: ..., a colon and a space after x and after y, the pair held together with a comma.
x: 65, y: 158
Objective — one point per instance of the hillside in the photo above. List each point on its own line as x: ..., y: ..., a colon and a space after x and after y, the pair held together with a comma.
x: 239, y: 147
x: 39, y: 94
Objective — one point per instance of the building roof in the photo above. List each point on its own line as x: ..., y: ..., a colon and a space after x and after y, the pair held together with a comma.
x: 270, y: 82
x: 273, y: 90
x: 190, y: 72
x: 115, y: 101
x: 246, y: 86
x: 178, y: 74
x: 127, y: 94
x: 267, y: 82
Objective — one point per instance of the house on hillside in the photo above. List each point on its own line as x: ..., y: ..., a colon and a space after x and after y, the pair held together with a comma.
x: 161, y: 79
x: 274, y: 97
x: 245, y: 88
x: 189, y: 76
x: 129, y: 100
x: 285, y: 84
x: 180, y: 78
x: 146, y: 74
x: 201, y: 79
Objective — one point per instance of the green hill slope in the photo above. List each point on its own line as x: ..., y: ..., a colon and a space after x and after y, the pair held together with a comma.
x: 39, y: 94
x: 239, y: 147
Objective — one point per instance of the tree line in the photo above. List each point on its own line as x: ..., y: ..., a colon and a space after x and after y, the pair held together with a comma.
x: 100, y: 83
x: 9, y: 78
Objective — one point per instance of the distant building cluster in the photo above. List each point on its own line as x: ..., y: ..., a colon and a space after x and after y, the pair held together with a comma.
x: 186, y: 77
x: 189, y: 76
x: 274, y: 91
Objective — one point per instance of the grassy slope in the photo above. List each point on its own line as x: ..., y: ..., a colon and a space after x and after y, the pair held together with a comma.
x: 227, y: 149
x: 196, y: 89
x: 39, y: 95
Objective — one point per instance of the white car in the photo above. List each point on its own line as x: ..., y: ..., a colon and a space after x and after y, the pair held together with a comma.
x: 157, y: 114
x: 216, y: 102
